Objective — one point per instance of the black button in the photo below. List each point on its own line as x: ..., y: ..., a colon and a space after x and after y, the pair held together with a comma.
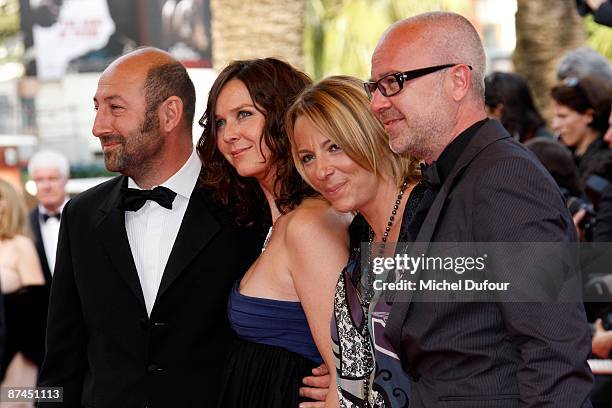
x: 159, y: 324
x: 144, y: 324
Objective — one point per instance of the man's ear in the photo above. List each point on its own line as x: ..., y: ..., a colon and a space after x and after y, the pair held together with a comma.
x: 171, y: 113
x: 461, y: 77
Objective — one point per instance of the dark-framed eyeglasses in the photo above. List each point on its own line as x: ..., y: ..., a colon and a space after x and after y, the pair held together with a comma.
x: 392, y: 84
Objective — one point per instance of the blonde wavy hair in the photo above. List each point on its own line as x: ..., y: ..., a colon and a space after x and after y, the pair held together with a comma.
x: 13, y: 213
x: 339, y: 108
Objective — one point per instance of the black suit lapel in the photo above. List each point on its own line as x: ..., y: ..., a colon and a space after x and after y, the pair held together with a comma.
x: 199, y: 226
x: 112, y: 233
x: 35, y: 221
x: 40, y: 246
x: 488, y: 133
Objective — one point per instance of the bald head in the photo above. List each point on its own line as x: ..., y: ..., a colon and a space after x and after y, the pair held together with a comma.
x: 144, y: 105
x: 441, y: 38
x: 161, y: 76
x: 142, y: 59
x: 431, y: 109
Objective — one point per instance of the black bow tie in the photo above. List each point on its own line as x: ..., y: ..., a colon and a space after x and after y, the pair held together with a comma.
x: 133, y: 199
x: 430, y: 174
x: 46, y: 217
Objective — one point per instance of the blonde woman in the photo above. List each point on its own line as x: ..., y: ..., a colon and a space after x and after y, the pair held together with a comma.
x: 342, y: 151
x: 22, y: 283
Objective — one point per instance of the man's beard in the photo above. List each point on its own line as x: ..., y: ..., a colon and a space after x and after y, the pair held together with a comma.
x: 135, y: 150
x: 421, y: 138
x: 424, y: 135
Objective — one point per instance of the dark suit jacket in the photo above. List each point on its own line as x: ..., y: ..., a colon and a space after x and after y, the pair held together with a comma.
x: 502, y: 355
x: 603, y: 15
x: 602, y: 231
x: 38, y: 242
x: 101, y: 345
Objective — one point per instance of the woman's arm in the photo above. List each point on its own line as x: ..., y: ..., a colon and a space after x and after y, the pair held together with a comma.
x: 317, y: 244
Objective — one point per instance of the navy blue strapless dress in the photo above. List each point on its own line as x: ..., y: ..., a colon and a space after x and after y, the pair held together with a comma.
x: 275, y: 351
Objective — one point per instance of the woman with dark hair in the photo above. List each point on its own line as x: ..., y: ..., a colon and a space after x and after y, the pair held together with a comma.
x: 508, y: 99
x: 582, y: 109
x: 282, y: 307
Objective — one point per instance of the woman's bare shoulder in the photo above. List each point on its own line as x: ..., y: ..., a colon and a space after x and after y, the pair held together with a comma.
x: 22, y: 243
x: 317, y: 216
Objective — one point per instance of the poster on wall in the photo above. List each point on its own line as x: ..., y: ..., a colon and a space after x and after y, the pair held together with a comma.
x: 86, y: 35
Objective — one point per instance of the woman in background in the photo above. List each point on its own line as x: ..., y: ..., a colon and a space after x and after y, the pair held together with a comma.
x: 508, y: 99
x: 581, y: 112
x: 342, y: 150
x: 282, y: 307
x: 22, y: 281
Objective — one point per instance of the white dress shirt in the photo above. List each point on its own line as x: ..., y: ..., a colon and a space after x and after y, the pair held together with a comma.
x: 152, y: 229
x: 49, y: 231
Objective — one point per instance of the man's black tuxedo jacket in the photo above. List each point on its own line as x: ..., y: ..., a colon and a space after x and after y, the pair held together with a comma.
x: 497, y: 355
x: 38, y: 242
x: 101, y: 345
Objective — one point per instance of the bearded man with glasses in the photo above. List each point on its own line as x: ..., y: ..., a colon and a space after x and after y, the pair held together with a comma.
x: 427, y: 89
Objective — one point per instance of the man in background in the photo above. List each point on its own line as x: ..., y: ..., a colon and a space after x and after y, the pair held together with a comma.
x: 50, y: 171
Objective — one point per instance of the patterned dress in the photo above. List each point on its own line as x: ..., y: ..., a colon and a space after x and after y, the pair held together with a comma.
x: 369, y: 371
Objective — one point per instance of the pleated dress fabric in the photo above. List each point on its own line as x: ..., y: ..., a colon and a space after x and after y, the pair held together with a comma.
x: 275, y: 351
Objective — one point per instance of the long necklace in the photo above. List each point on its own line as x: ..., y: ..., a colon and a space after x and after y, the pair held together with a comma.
x: 368, y: 288
x: 396, y: 206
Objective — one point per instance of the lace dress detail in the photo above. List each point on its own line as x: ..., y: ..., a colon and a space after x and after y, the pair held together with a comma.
x: 352, y: 351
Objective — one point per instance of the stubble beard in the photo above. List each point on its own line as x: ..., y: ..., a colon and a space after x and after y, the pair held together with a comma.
x: 423, y: 138
x: 135, y: 152
x: 412, y: 140
x: 133, y: 156
x: 115, y: 160
x: 423, y: 135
